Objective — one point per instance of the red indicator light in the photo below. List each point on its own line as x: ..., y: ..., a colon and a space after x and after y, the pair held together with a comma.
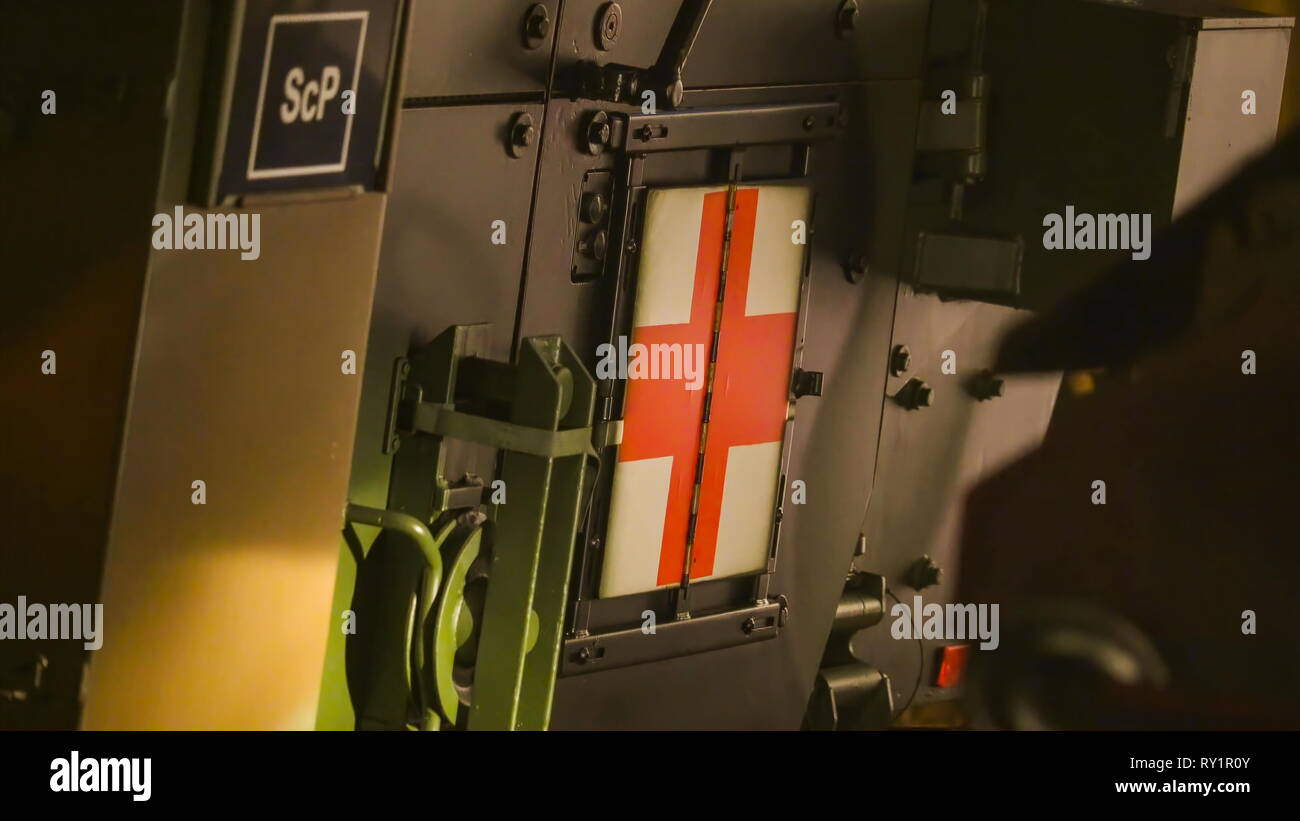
x: 952, y: 664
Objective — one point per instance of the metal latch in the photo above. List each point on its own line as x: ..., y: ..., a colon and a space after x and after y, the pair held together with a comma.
x: 617, y: 83
x: 806, y: 383
x: 956, y: 137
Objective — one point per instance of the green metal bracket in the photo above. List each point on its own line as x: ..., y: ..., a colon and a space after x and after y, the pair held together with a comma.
x: 533, y: 555
x: 441, y: 420
x: 538, y: 413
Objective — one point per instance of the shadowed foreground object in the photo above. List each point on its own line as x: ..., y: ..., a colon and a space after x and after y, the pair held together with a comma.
x: 1194, y: 435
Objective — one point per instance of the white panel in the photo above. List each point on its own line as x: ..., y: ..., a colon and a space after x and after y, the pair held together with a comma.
x: 748, y: 501
x: 670, y: 244
x: 636, y: 526
x: 777, y: 265
x: 1218, y: 138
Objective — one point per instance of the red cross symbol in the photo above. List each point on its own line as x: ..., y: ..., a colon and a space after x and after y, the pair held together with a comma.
x: 750, y: 387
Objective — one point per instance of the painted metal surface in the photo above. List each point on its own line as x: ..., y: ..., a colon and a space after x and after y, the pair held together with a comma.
x: 215, y: 392
x: 1217, y: 136
x: 459, y: 50
x: 930, y: 458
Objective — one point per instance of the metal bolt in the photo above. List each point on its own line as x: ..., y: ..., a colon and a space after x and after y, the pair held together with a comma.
x: 597, y: 132
x: 537, y: 26
x: 855, y: 268
x: 749, y: 626
x: 986, y: 385
x: 915, y: 394
x: 900, y: 360
x: 924, y: 395
x: 609, y: 21
x: 674, y: 92
x: 595, y: 245
x: 522, y: 134
x: 592, y: 208
x: 923, y: 573
x: 584, y: 655
x: 808, y: 123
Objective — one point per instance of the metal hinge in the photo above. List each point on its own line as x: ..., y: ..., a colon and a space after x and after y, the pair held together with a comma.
x: 957, y: 130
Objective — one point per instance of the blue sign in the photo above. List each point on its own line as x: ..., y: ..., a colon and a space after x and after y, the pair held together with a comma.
x: 308, y: 101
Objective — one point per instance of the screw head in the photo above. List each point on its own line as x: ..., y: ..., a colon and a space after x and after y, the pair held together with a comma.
x: 900, y: 360
x: 537, y: 26
x: 924, y: 573
x: 597, y: 132
x: 986, y: 385
x: 522, y: 134
x: 592, y: 208
x: 674, y: 92
x: 915, y: 394
x: 609, y: 21
x: 749, y: 626
x: 855, y: 268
